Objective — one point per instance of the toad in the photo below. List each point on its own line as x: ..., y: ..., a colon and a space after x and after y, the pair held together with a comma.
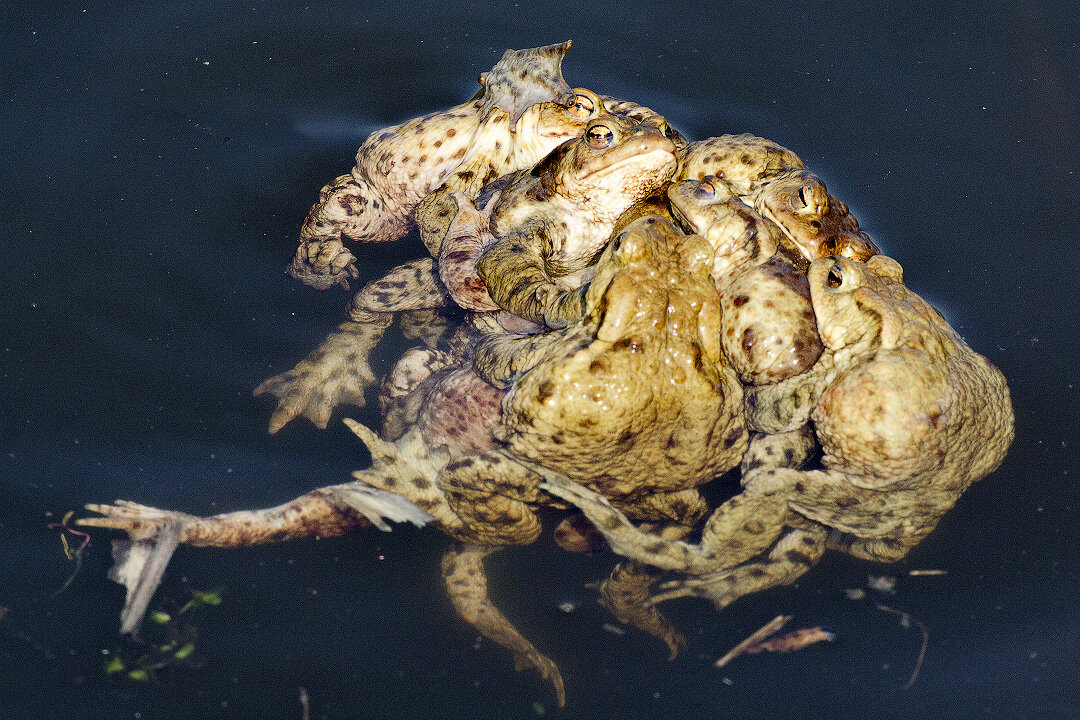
x: 907, y: 417
x: 571, y: 400
x: 531, y: 247
x: 769, y: 330
x: 775, y: 182
x: 523, y: 110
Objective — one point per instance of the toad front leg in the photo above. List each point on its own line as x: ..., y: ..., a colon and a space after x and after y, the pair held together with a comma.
x: 348, y: 208
x: 337, y: 372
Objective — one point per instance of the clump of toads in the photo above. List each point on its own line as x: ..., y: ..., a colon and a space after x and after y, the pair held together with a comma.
x: 611, y: 316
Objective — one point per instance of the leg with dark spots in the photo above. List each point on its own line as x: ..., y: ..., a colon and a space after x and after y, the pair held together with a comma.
x: 317, y: 514
x: 466, y: 584
x: 493, y: 496
x: 794, y: 554
x: 347, y: 208
x: 413, y: 285
x: 790, y: 449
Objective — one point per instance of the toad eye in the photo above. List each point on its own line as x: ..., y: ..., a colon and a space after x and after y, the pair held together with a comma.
x: 706, y: 189
x: 802, y: 196
x: 599, y: 137
x: 582, y: 106
x: 835, y: 278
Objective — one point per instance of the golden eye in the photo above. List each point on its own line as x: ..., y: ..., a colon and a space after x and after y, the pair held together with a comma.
x: 835, y: 277
x: 599, y: 137
x: 706, y: 189
x: 582, y: 106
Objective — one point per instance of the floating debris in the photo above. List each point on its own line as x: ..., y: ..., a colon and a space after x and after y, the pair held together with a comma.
x: 568, y: 608
x: 793, y: 641
x: 885, y: 584
x: 918, y: 573
x: 70, y: 554
x: 765, y: 631
x: 907, y: 621
x: 613, y: 629
x: 762, y: 640
x: 854, y: 593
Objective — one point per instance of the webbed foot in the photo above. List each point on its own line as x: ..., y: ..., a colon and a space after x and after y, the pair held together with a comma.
x: 335, y: 373
x: 466, y: 584
x: 625, y: 594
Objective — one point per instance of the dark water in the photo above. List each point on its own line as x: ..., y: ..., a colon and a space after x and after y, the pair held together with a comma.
x: 158, y: 160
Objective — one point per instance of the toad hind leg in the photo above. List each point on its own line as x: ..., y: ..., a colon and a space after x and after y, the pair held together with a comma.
x: 794, y: 554
x: 466, y: 584
x: 625, y: 594
x: 741, y: 528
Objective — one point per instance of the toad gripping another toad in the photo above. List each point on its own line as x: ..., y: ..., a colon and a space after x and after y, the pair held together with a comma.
x: 610, y: 317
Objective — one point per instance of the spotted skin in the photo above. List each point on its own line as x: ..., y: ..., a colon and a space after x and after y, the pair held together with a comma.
x: 769, y: 329
x: 775, y: 182
x: 907, y: 417
x: 523, y: 111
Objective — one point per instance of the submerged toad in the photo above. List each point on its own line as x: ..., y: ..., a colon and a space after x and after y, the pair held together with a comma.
x: 907, y: 417
x: 572, y: 401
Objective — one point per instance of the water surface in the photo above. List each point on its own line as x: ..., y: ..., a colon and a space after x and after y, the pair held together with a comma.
x: 159, y: 160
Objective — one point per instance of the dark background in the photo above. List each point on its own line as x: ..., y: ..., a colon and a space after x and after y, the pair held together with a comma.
x: 158, y: 159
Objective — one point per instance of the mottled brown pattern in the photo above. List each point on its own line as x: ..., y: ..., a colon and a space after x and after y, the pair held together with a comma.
x: 907, y: 417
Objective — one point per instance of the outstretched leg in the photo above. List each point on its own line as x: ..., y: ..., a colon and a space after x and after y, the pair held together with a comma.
x: 466, y: 584
x: 794, y: 554
x: 155, y: 534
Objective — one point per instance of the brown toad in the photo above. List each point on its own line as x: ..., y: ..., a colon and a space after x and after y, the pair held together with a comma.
x: 773, y: 180
x: 535, y: 240
x: 906, y: 414
x: 769, y: 331
x: 524, y: 109
x: 637, y: 386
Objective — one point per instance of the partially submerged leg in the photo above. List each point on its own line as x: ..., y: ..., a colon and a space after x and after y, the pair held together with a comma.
x: 794, y: 554
x: 741, y: 528
x: 466, y: 584
x: 154, y: 534
x: 335, y: 373
x: 625, y: 594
